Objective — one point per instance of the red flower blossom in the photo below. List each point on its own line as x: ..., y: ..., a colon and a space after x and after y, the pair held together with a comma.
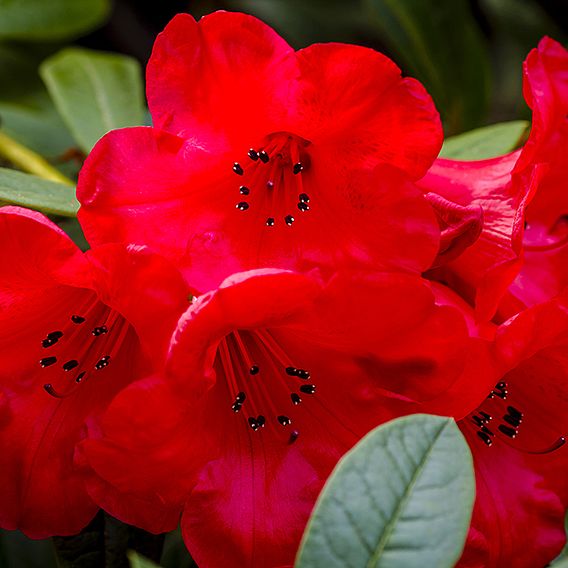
x: 262, y: 156
x: 270, y: 379
x: 74, y: 329
x: 525, y: 187
x: 517, y: 437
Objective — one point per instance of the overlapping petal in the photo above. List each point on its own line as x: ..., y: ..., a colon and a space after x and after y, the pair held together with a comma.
x: 66, y: 352
x: 270, y: 379
x: 517, y: 437
x: 519, y: 257
x: 307, y: 190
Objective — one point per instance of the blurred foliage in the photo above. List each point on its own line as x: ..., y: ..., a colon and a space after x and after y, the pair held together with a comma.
x: 468, y: 53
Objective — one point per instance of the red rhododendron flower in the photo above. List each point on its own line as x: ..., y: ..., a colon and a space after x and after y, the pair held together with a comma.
x: 263, y: 156
x: 270, y: 379
x: 526, y: 186
x: 74, y: 329
x: 517, y: 437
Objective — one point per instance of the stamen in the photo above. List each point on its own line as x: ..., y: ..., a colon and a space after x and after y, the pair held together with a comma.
x: 284, y: 420
x: 270, y: 221
x: 77, y: 319
x: 51, y: 339
x: 308, y: 389
x: 289, y: 220
x: 242, y: 206
x: 100, y: 330
x: 244, y: 190
x: 254, y: 370
x: 297, y: 168
x: 47, y: 361
x: 264, y: 156
x: 295, y: 398
x: 303, y: 206
x: 70, y: 365
x: 238, y: 169
x: 304, y: 198
x: 488, y: 441
x: 293, y: 436
x: 103, y: 362
x: 508, y: 431
x: 253, y: 154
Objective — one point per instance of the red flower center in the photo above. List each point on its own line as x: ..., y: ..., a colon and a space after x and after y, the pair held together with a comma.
x: 272, y: 181
x: 85, y: 343
x: 264, y: 384
x: 502, y: 417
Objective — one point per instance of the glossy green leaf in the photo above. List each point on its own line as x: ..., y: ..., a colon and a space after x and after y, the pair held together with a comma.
x: 94, y: 92
x: 440, y: 44
x: 486, y: 142
x: 26, y: 110
x: 37, y: 193
x: 50, y: 19
x: 402, y: 498
x: 139, y: 561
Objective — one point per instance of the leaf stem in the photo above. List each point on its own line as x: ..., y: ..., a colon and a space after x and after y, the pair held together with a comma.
x: 29, y: 161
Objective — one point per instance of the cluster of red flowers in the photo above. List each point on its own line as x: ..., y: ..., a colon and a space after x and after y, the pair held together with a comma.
x: 279, y: 265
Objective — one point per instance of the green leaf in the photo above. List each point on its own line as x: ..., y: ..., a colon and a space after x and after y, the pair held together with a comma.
x: 94, y: 92
x: 50, y: 20
x: 31, y: 191
x: 19, y: 551
x: 486, y: 142
x: 440, y: 44
x: 26, y: 110
x: 139, y: 561
x: 402, y: 498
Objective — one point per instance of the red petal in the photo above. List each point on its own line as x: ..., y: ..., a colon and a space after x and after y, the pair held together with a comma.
x: 45, y: 281
x: 146, y: 289
x: 144, y: 186
x: 515, y: 498
x: 226, y: 79
x: 378, y: 117
x: 485, y: 269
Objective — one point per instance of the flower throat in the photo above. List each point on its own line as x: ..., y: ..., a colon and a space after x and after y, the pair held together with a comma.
x: 272, y: 180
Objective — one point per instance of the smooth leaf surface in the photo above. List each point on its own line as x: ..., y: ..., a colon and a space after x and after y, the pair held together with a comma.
x: 31, y: 191
x: 486, y: 142
x: 440, y: 44
x: 94, y: 92
x: 26, y: 110
x: 402, y: 498
x: 50, y: 19
x: 139, y: 561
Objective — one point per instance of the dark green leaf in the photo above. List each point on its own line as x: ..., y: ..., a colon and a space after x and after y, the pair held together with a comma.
x: 486, y: 142
x: 31, y: 191
x: 19, y: 551
x: 402, y: 498
x: 94, y: 92
x: 107, y: 542
x: 50, y: 19
x: 26, y: 110
x: 440, y: 44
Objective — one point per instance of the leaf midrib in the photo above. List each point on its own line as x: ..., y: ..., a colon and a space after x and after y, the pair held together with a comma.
x: 385, y: 537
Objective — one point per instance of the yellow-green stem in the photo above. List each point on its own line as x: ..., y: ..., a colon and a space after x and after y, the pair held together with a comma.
x: 28, y: 161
